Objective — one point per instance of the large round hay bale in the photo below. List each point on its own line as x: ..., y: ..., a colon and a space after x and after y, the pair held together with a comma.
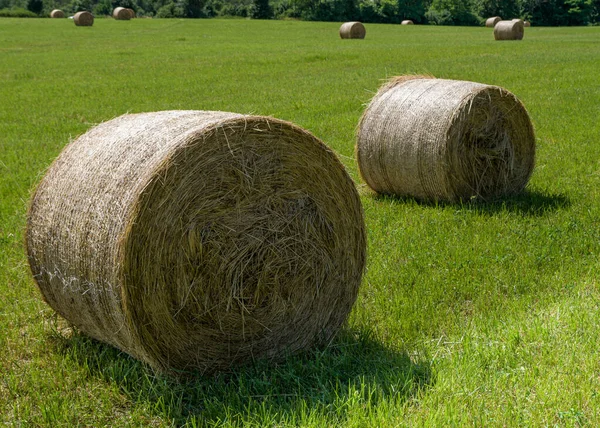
x: 83, y: 19
x: 509, y: 30
x: 131, y: 13
x: 198, y: 240
x: 445, y: 140
x: 407, y: 22
x: 491, y: 22
x: 57, y: 13
x: 121, y: 14
x: 352, y: 30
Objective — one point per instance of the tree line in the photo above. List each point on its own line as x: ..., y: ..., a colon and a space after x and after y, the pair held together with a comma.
x: 439, y: 12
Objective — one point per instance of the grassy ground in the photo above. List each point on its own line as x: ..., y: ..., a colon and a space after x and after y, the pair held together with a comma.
x: 474, y: 314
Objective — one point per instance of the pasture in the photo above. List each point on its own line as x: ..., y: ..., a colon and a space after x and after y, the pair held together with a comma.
x: 481, y: 313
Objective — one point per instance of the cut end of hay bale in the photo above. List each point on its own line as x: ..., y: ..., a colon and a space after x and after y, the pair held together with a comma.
x: 131, y: 13
x: 445, y: 140
x: 83, y: 19
x: 57, y: 13
x: 491, y: 22
x: 407, y: 22
x: 352, y: 30
x: 121, y: 14
x: 509, y: 30
x: 199, y: 240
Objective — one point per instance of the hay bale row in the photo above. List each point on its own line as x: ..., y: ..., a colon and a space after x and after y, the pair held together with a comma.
x: 57, y: 13
x: 509, y: 30
x: 352, y: 30
x: 198, y: 240
x: 83, y: 19
x: 445, y: 140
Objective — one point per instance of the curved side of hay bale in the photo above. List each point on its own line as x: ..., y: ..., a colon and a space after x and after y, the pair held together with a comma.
x: 407, y: 22
x: 57, y: 13
x: 121, y: 14
x: 131, y: 13
x: 198, y: 240
x: 509, y: 30
x: 445, y: 140
x: 491, y: 22
x: 352, y: 30
x: 83, y: 19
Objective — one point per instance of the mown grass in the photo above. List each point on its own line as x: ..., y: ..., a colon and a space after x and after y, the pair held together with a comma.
x: 469, y: 314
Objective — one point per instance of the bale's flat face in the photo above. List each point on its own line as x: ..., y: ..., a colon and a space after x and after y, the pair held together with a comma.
x: 202, y: 247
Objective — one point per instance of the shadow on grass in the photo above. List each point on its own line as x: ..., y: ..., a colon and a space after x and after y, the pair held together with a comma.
x: 323, y: 384
x: 528, y: 203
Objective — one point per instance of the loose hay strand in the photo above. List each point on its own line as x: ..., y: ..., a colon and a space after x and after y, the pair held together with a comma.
x: 199, y: 240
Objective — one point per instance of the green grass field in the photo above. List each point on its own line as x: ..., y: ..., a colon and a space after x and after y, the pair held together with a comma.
x: 479, y: 314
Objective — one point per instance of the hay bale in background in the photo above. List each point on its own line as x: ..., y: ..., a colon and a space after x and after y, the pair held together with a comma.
x: 57, y: 13
x: 131, y: 13
x: 407, y: 22
x: 83, y: 19
x: 198, y: 240
x: 509, y: 30
x: 352, y: 30
x: 121, y: 14
x: 445, y: 140
x: 526, y: 24
x: 491, y: 22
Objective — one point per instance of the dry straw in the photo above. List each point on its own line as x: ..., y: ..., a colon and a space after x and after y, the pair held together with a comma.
x: 198, y: 240
x: 131, y: 13
x: 509, y: 30
x: 491, y: 22
x: 352, y: 30
x: 121, y: 14
x: 407, y: 22
x: 57, y: 13
x: 445, y: 140
x: 83, y: 19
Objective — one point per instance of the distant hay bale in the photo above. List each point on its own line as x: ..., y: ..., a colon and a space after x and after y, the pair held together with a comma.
x: 407, y: 22
x: 83, y: 19
x: 57, y: 13
x: 198, y: 240
x: 509, y: 30
x: 445, y: 140
x: 491, y: 22
x: 121, y: 14
x: 526, y: 24
x: 352, y: 30
x: 131, y: 13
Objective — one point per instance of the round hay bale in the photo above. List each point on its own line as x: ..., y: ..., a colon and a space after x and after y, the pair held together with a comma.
x: 407, y: 22
x: 352, y: 30
x: 509, y: 30
x: 83, y: 19
x: 526, y: 24
x: 121, y: 14
x: 198, y: 240
x: 57, y: 13
x: 131, y: 13
x: 445, y: 140
x: 491, y: 22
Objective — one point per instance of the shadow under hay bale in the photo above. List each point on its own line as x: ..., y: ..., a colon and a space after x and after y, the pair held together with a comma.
x: 407, y: 22
x: 121, y: 14
x: 509, y: 30
x: 352, y: 30
x: 57, y: 13
x: 83, y: 19
x: 198, y: 240
x: 491, y: 22
x: 445, y: 140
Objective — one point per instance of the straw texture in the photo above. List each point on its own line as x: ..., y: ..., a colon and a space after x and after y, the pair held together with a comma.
x: 509, y: 30
x: 131, y: 13
x: 121, y: 14
x: 491, y: 22
x: 57, y: 13
x: 198, y: 240
x: 407, y: 22
x: 445, y: 140
x: 83, y: 19
x: 352, y: 30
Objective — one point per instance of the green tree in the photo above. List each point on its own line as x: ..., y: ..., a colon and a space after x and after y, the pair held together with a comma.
x: 35, y: 6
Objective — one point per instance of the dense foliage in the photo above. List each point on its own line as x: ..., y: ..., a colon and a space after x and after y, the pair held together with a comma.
x: 441, y: 12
